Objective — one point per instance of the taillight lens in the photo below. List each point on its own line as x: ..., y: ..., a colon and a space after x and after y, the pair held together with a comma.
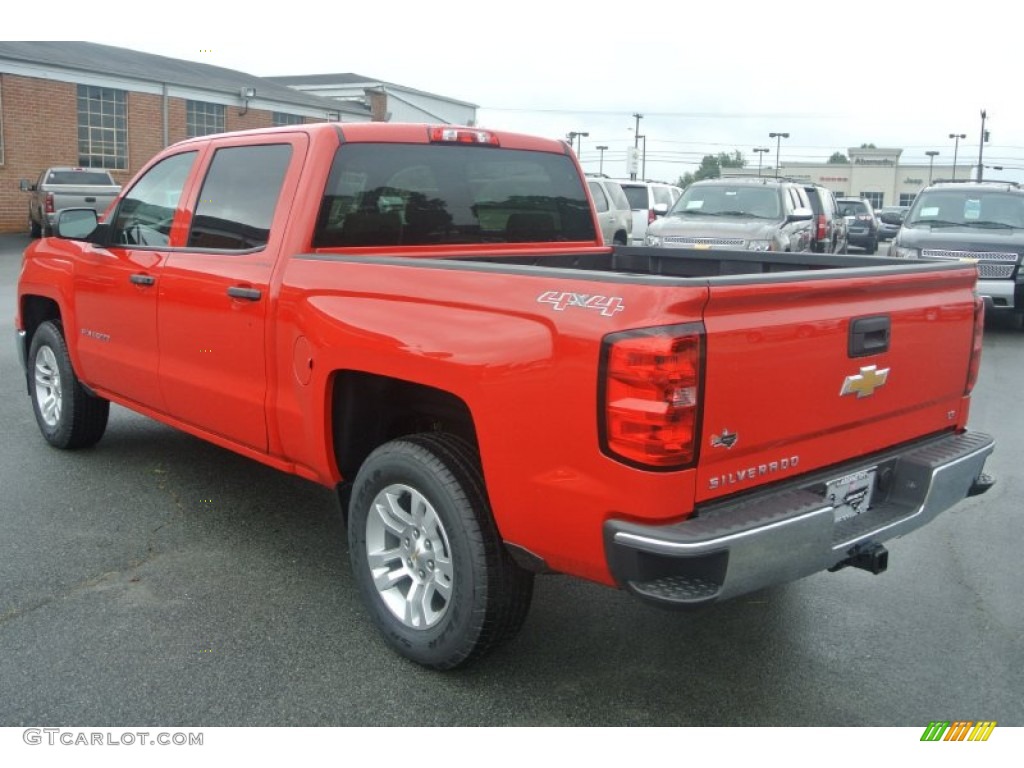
x: 449, y: 135
x: 49, y: 202
x: 822, y: 230
x: 651, y: 396
x: 651, y: 216
x: 979, y: 332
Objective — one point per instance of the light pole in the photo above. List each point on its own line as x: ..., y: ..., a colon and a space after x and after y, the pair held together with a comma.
x: 760, y: 153
x: 643, y: 156
x: 956, y: 148
x: 600, y: 163
x: 636, y: 138
x: 931, y: 162
x: 572, y: 136
x: 778, y: 147
x: 981, y: 143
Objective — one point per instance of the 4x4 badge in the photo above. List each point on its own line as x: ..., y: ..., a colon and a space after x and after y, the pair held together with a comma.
x: 866, y: 382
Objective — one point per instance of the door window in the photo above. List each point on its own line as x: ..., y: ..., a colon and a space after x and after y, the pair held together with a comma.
x: 146, y: 213
x: 239, y: 196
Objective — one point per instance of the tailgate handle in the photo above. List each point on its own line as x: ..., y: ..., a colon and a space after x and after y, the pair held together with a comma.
x: 869, y: 336
x: 90, y: 199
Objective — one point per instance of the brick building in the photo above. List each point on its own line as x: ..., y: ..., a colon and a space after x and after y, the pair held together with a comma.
x: 74, y: 103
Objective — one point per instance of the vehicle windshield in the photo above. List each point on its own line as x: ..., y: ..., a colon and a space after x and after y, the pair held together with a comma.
x: 756, y: 202
x: 968, y: 208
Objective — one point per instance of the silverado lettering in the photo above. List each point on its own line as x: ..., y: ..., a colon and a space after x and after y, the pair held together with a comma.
x: 391, y: 311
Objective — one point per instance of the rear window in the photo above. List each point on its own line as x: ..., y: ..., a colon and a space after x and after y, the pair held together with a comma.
x: 852, y: 207
x: 90, y: 178
x: 637, y: 196
x: 413, y: 194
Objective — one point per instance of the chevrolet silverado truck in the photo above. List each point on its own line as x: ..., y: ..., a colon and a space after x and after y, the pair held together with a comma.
x: 65, y: 187
x: 425, y: 319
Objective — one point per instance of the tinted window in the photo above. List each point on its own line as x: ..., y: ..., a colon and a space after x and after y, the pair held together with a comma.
x: 78, y: 177
x: 637, y: 196
x: 410, y: 194
x: 600, y: 201
x: 145, y: 214
x: 852, y: 208
x: 239, y: 196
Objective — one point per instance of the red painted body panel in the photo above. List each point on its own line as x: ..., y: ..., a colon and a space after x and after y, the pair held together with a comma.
x: 257, y: 376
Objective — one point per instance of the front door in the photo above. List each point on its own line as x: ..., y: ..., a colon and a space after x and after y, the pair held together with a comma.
x: 215, y: 292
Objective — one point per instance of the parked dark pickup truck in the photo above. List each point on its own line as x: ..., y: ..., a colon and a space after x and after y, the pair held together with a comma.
x: 66, y: 187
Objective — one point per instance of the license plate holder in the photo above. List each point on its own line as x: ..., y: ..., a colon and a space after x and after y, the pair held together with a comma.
x: 850, y: 495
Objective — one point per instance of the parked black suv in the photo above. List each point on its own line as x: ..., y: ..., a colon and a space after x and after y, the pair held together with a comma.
x: 971, y: 221
x: 737, y: 213
x: 828, y: 235
x: 862, y: 226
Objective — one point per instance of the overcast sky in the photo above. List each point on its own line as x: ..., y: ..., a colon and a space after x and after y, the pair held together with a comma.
x: 707, y: 77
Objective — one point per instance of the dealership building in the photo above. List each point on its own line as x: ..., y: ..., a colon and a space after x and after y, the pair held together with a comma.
x: 875, y: 175
x: 99, y: 106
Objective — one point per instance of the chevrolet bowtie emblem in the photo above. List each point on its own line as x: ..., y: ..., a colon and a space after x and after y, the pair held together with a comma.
x: 866, y: 382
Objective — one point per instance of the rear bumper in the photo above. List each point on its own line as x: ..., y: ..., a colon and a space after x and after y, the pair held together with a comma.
x: 790, y: 531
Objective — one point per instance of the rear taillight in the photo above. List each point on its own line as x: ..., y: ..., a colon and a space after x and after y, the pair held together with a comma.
x: 822, y: 227
x: 651, y: 395
x: 651, y: 215
x: 49, y: 202
x: 979, y: 332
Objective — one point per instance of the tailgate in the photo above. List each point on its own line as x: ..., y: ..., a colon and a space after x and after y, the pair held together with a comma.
x: 83, y: 197
x: 804, y: 375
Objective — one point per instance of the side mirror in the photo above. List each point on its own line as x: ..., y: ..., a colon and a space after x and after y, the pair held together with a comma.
x: 801, y: 214
x: 26, y: 186
x: 76, y: 223
x: 660, y: 209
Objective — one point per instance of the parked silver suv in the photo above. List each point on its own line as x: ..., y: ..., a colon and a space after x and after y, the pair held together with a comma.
x: 613, y: 211
x: 648, y: 200
x: 738, y: 213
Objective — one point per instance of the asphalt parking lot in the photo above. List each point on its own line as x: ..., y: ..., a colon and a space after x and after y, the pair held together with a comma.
x: 158, y: 580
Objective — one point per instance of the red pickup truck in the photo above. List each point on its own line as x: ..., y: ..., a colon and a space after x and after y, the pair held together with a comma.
x: 424, y: 318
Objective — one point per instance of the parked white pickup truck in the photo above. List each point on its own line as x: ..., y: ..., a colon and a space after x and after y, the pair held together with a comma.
x: 66, y: 187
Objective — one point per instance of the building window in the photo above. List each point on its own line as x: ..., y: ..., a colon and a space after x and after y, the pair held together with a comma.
x: 102, y: 128
x: 283, y: 118
x: 875, y: 198
x: 907, y: 199
x: 203, y: 118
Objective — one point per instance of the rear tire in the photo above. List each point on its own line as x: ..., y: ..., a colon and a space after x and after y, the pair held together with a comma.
x: 871, y: 248
x: 68, y: 416
x: 426, y: 555
x: 34, y: 229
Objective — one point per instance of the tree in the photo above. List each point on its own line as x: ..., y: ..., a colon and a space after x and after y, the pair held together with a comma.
x: 868, y: 146
x: 838, y: 158
x: 711, y: 167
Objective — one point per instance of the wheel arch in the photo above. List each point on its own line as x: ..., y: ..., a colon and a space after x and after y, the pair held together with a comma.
x: 35, y: 310
x: 368, y: 410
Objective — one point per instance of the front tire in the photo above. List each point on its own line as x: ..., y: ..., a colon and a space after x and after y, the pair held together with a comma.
x: 426, y: 555
x: 67, y: 414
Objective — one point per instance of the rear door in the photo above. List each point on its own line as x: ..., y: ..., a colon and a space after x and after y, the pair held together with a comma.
x: 802, y: 375
x: 215, y: 291
x: 605, y: 214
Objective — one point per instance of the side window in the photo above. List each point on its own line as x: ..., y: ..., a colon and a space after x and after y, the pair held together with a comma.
x: 662, y: 195
x: 600, y: 200
x: 239, y: 197
x: 145, y: 214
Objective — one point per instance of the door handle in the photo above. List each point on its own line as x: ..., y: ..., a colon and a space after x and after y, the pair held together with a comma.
x: 140, y: 279
x: 240, y: 292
